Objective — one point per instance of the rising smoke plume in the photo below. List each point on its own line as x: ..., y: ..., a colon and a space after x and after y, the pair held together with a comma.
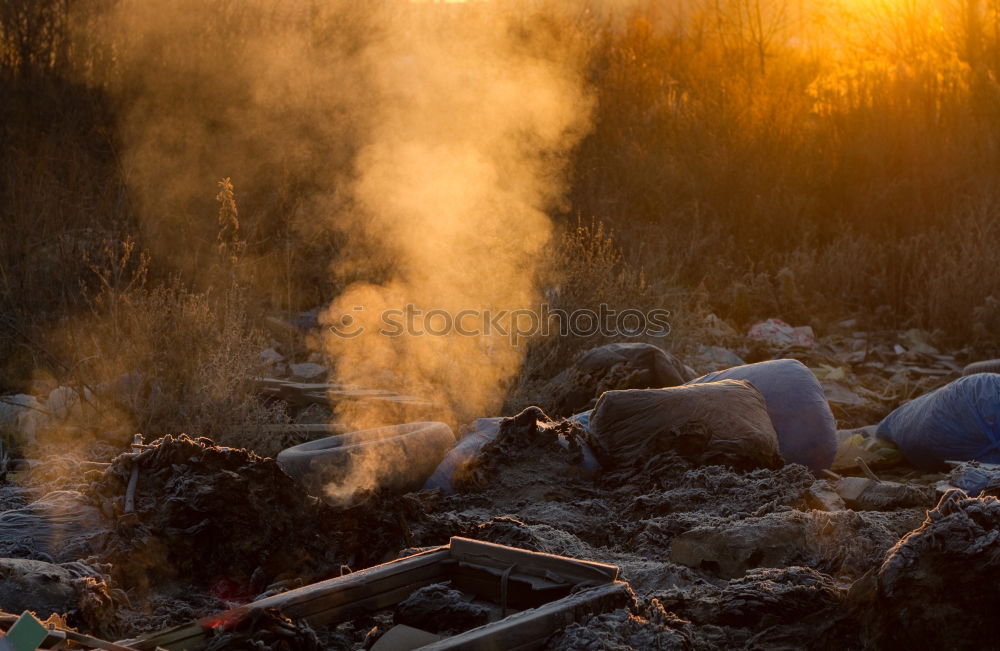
x: 431, y: 140
x: 477, y: 110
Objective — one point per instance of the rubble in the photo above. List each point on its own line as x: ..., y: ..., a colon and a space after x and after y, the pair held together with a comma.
x: 716, y: 553
x: 844, y: 543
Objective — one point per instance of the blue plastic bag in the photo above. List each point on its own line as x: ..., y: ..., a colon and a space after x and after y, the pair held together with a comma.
x: 958, y: 422
x: 807, y: 431
x: 468, y: 447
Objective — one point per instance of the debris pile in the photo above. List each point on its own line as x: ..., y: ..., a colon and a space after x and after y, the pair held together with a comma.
x: 223, y: 518
x: 679, y: 512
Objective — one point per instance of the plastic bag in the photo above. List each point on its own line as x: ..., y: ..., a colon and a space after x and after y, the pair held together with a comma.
x: 958, y: 422
x: 807, y: 431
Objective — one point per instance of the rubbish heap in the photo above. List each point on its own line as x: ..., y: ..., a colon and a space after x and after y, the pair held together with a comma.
x: 639, y: 505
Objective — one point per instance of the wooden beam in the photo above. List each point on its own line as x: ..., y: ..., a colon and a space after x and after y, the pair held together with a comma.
x: 530, y: 629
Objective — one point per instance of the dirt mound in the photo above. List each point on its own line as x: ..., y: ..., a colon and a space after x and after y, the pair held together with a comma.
x: 228, y: 519
x: 640, y: 627
x: 843, y: 543
x: 937, y: 587
x: 763, y: 597
x: 531, y: 455
x: 440, y: 609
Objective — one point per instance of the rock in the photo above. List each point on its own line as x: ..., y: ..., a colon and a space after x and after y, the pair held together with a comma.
x: 863, y: 494
x: 716, y: 327
x: 272, y: 359
x: 776, y: 332
x: 834, y: 543
x: 822, y: 496
x: 716, y: 358
x: 13, y: 405
x: 936, y: 588
x: 64, y: 402
x: 851, y: 488
x: 43, y: 588
x: 838, y: 393
x: 47, y: 589
x: 762, y: 598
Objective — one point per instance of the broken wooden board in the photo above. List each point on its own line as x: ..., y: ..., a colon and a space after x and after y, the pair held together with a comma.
x: 530, y: 629
x: 385, y: 585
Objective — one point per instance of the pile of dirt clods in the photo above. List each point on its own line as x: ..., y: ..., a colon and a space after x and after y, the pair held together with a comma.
x: 717, y: 558
x: 228, y: 519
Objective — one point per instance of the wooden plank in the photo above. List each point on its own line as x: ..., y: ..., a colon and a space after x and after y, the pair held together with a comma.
x: 313, y: 601
x: 530, y: 629
x: 384, y: 585
x: 501, y: 557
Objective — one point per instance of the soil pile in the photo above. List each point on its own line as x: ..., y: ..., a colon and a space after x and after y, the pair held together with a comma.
x: 939, y: 580
x: 228, y: 519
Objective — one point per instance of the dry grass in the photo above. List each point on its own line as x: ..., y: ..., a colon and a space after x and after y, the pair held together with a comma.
x: 748, y: 176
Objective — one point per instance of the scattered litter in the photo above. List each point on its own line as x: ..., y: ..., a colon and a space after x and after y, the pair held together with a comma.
x: 714, y: 358
x: 861, y: 443
x: 308, y: 372
x: 776, y: 332
x: 864, y: 494
x: 974, y: 477
x: 986, y: 366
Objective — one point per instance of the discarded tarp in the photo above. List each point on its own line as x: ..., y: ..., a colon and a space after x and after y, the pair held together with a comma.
x: 722, y: 423
x: 807, y: 431
x: 614, y: 366
x: 958, y: 422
